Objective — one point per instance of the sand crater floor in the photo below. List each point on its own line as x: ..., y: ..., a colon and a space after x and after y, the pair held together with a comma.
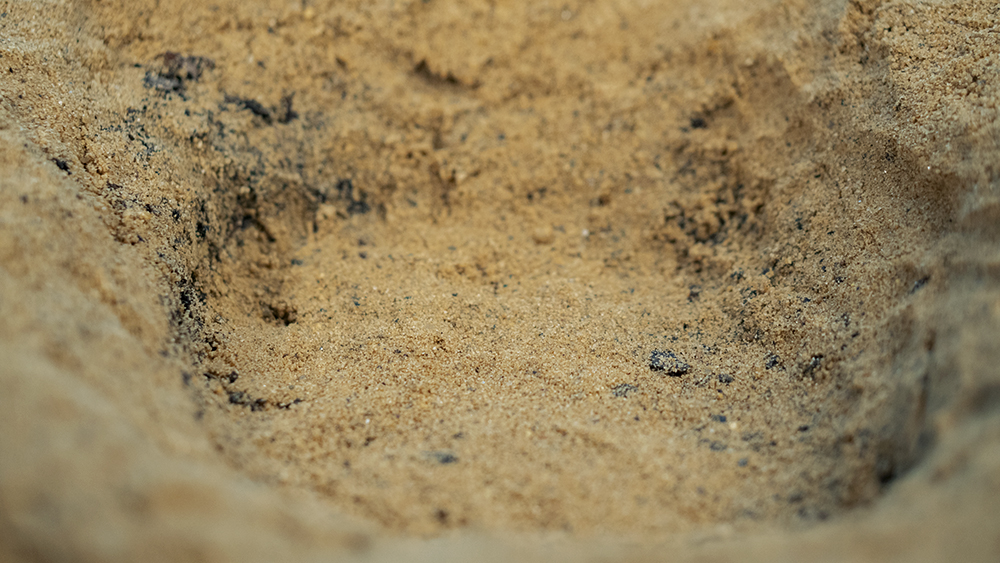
x: 432, y: 376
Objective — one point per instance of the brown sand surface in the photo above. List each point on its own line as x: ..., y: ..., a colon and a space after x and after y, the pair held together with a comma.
x: 438, y: 280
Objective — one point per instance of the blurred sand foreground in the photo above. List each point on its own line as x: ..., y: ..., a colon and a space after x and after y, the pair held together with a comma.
x: 440, y: 281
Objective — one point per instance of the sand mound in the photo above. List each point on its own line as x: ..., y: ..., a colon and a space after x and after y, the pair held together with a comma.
x: 443, y: 279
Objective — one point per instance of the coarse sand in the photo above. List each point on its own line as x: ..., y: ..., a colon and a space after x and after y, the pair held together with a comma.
x: 438, y: 280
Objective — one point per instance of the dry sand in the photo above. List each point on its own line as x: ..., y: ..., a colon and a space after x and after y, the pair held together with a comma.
x: 447, y: 280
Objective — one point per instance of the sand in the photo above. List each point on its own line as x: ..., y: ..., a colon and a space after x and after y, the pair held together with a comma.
x: 448, y: 280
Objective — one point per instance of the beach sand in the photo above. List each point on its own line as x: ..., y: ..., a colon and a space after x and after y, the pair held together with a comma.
x: 442, y: 281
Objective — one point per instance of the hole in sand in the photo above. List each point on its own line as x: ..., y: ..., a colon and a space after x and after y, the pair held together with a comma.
x: 605, y: 352
x: 665, y: 294
x: 658, y: 277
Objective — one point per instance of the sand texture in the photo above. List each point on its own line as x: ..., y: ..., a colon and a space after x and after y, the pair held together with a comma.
x: 436, y: 281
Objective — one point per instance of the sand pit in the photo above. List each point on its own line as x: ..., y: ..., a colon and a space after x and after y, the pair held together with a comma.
x: 449, y: 280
